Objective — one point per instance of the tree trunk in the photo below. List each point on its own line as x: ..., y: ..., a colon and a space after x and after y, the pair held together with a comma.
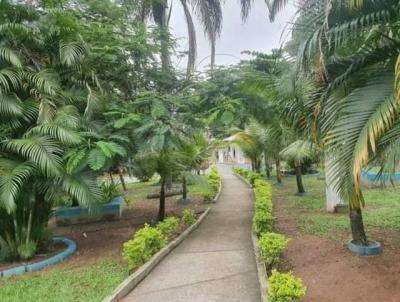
x: 213, y: 47
x: 184, y: 188
x: 161, y: 210
x: 121, y: 178
x: 278, y: 171
x: 111, y: 177
x: 160, y: 18
x: 267, y: 167
x: 357, y: 227
x: 299, y: 180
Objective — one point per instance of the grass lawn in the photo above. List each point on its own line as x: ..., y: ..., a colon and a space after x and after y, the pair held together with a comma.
x: 382, y: 211
x: 87, y: 283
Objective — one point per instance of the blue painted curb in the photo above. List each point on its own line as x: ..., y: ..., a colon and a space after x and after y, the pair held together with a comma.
x: 19, y: 270
x: 373, y: 248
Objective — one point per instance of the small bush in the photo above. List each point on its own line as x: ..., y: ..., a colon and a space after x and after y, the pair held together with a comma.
x: 284, y: 287
x: 109, y: 191
x: 168, y: 227
x: 252, y: 177
x: 189, y: 217
x: 262, y: 220
x: 207, y: 196
x: 214, y: 179
x: 271, y: 246
x: 145, y: 243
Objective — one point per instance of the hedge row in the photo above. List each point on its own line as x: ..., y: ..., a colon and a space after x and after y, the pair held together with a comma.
x: 282, y: 287
x: 249, y: 175
x: 214, y: 181
x: 149, y: 240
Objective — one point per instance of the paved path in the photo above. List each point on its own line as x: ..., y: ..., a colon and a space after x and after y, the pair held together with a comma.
x: 216, y: 262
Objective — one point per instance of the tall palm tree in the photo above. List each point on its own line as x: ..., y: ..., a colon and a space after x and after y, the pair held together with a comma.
x: 209, y: 13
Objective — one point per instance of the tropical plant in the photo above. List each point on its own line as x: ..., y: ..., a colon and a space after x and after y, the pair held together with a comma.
x: 39, y: 123
x: 351, y: 50
x: 209, y: 13
x: 297, y: 152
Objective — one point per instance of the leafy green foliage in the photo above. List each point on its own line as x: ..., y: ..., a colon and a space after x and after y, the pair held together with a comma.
x: 168, y: 227
x: 109, y: 191
x: 263, y: 219
x: 214, y: 180
x: 284, y: 287
x: 271, y: 246
x: 188, y: 217
x: 145, y: 243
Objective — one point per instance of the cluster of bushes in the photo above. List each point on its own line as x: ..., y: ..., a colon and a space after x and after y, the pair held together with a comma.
x: 149, y: 240
x: 250, y: 176
x: 214, y: 181
x: 282, y: 287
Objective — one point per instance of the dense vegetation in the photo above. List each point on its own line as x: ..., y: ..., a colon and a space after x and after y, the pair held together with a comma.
x: 87, y: 87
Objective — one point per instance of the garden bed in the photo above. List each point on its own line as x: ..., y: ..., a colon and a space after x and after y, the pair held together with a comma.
x: 318, y: 250
x: 96, y: 268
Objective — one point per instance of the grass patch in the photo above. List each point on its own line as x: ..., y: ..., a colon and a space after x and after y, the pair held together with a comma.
x: 87, y: 284
x: 382, y: 209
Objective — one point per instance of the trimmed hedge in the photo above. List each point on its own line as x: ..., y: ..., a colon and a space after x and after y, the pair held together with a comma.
x: 272, y: 246
x: 249, y: 175
x: 214, y: 179
x: 262, y: 220
x: 147, y: 241
x: 284, y: 287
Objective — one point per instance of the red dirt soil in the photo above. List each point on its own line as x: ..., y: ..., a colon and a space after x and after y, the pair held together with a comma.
x: 98, y: 240
x: 330, y: 272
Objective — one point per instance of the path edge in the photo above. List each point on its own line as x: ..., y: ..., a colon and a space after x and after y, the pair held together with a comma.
x: 261, y: 270
x: 133, y: 280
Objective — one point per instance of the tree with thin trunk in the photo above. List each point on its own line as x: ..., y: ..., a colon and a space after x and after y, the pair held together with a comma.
x: 297, y: 152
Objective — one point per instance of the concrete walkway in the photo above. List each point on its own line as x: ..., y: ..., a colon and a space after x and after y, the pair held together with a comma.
x: 216, y: 262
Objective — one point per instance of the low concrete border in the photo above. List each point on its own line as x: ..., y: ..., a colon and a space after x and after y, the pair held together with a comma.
x: 261, y: 269
x: 19, y: 270
x: 218, y: 193
x: 133, y: 280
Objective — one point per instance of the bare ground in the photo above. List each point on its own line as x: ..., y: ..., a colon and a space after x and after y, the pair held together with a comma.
x: 330, y: 272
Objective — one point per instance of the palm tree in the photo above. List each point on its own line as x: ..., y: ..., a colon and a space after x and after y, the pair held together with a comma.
x: 297, y: 152
x: 209, y: 13
x: 38, y: 124
x: 352, y: 52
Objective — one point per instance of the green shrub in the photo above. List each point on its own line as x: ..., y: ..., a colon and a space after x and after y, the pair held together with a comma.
x: 214, y: 179
x: 284, y: 287
x: 271, y: 246
x: 252, y: 177
x: 145, y: 243
x: 169, y: 227
x: 189, y: 217
x: 262, y: 220
x: 207, y: 196
x: 109, y: 191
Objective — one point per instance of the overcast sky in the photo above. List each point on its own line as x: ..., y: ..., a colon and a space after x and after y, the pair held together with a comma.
x: 257, y: 34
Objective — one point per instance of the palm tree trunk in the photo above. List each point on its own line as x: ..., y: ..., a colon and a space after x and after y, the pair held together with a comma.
x: 161, y: 210
x: 278, y: 171
x: 184, y: 188
x: 299, y: 180
x: 160, y: 18
x: 121, y: 178
x: 267, y: 167
x: 357, y: 226
x: 111, y: 177
x: 213, y: 50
